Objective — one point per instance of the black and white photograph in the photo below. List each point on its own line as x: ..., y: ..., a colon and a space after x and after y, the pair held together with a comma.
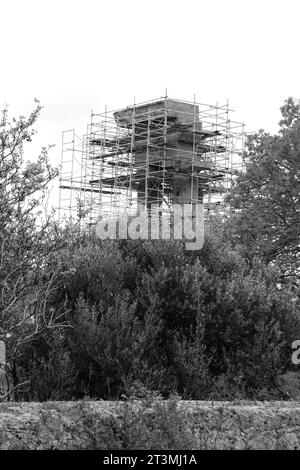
x: 149, y: 230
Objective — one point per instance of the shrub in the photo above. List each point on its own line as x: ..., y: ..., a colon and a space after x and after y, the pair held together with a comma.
x: 202, y: 324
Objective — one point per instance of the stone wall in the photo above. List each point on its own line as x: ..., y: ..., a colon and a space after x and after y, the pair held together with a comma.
x: 131, y: 425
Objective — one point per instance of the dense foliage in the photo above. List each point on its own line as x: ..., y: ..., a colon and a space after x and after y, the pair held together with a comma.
x: 204, y: 325
x: 267, y: 196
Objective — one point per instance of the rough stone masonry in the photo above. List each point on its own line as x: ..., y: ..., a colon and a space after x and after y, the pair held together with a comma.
x: 94, y: 425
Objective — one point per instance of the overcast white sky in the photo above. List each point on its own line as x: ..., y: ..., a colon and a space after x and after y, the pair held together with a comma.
x: 75, y: 55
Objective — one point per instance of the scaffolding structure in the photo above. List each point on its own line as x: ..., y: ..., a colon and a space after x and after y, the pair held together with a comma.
x: 161, y: 152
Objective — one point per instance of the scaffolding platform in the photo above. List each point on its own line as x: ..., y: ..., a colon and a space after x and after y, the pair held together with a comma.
x: 164, y: 151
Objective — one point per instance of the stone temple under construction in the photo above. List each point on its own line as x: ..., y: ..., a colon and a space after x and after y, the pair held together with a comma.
x: 162, y: 152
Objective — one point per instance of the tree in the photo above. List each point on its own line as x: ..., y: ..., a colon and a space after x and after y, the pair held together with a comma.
x: 266, y: 195
x: 24, y: 237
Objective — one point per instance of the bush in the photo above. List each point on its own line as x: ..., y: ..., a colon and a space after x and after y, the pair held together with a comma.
x: 201, y: 324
